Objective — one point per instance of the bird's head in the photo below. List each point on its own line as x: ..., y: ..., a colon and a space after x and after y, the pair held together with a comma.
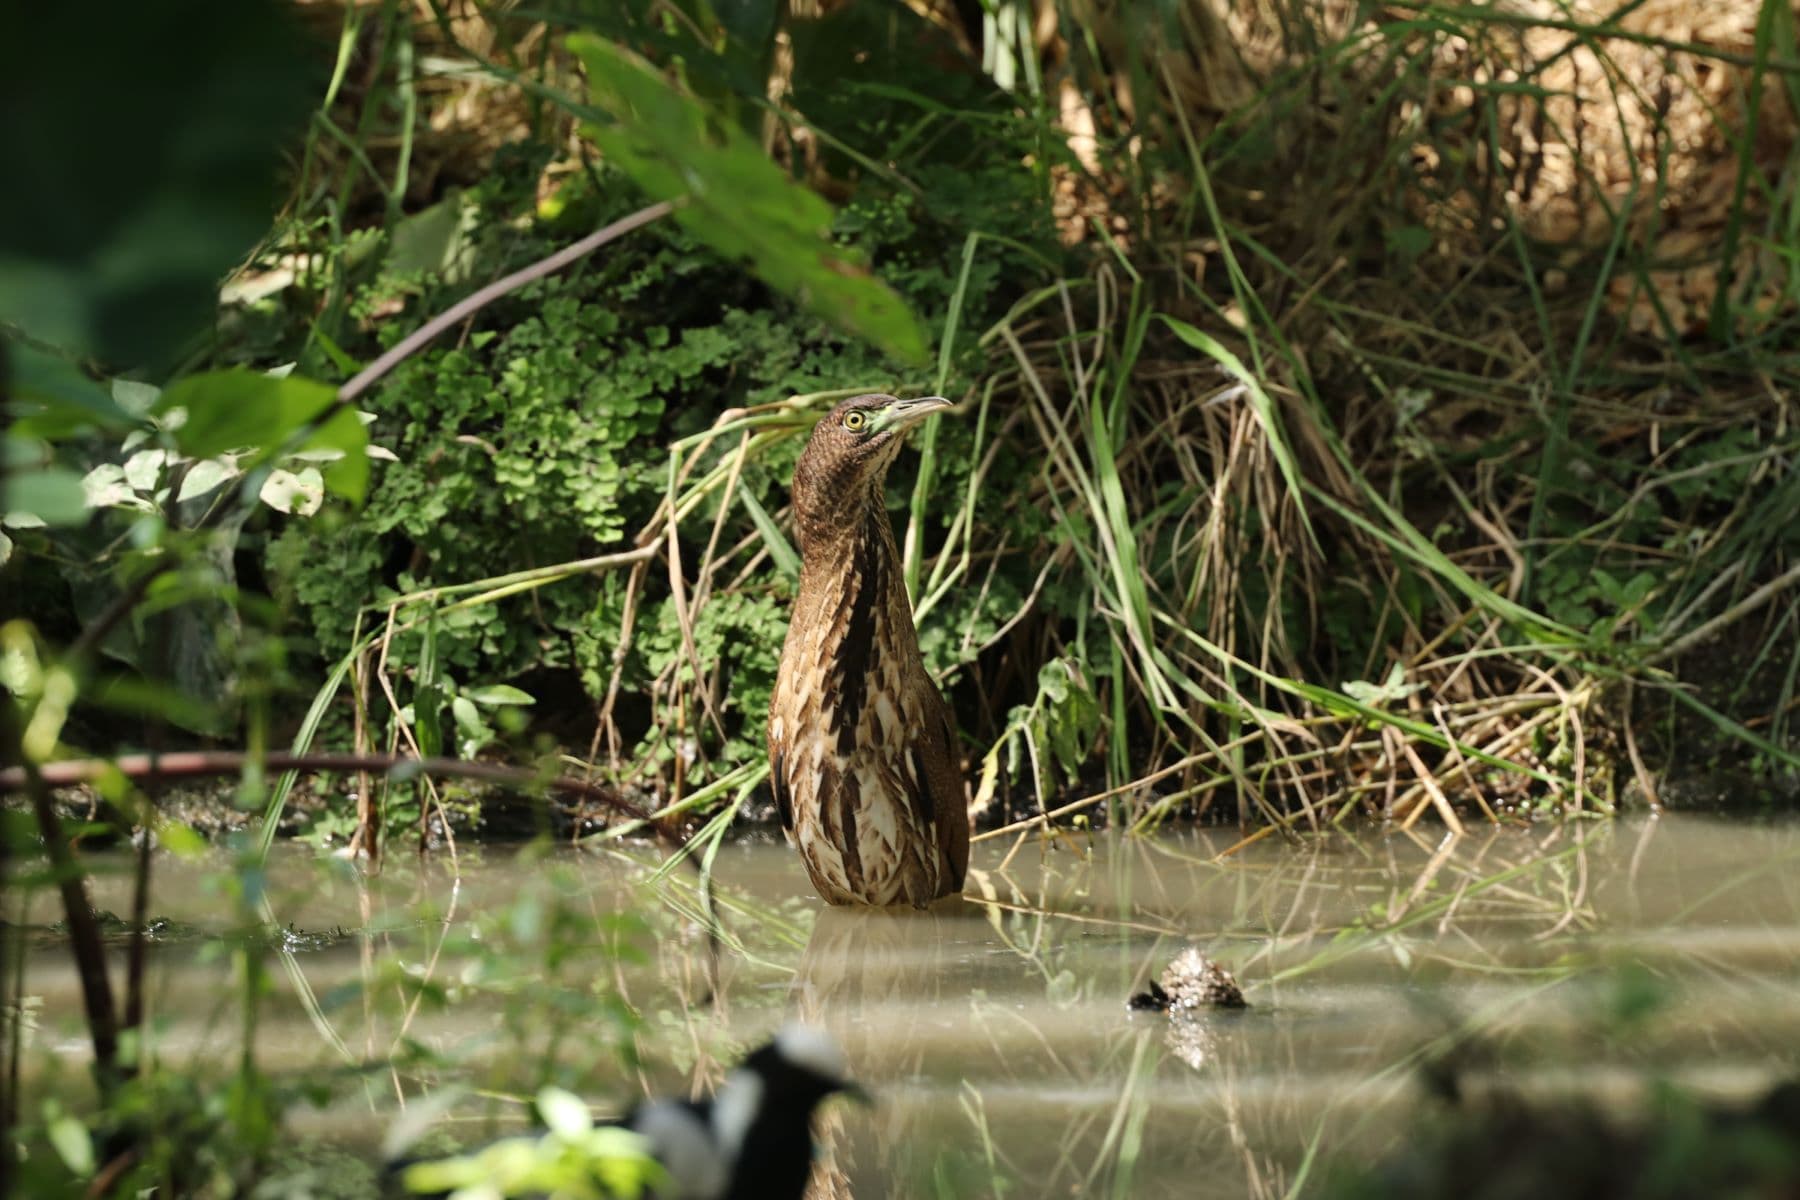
x: 769, y: 1100
x: 803, y: 1064
x: 847, y: 457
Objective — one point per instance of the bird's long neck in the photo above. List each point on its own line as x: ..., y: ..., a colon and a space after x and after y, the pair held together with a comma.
x: 853, y: 594
x: 847, y: 540
x: 832, y: 520
x: 853, y: 559
x: 863, y: 533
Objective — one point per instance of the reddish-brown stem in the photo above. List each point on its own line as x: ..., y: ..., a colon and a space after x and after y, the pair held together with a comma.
x: 198, y: 763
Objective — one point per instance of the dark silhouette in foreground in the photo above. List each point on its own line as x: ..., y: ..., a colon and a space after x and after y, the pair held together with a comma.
x: 752, y: 1140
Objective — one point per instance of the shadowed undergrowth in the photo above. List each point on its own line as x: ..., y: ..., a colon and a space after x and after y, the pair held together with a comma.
x: 1316, y: 479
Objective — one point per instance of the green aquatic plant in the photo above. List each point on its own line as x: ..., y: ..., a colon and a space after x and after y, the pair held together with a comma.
x: 574, y: 1158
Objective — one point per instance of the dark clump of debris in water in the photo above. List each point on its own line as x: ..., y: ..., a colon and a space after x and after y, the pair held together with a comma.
x: 1190, y: 983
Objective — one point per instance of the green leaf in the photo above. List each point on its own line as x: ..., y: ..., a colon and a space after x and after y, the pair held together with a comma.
x: 143, y: 469
x: 134, y: 397
x: 294, y: 492
x: 181, y: 840
x: 438, y: 241
x: 1394, y: 687
x: 348, y: 476
x: 499, y: 694
x: 787, y: 561
x: 428, y: 694
x: 52, y: 494
x: 468, y: 717
x: 73, y: 1145
x: 143, y: 697
x: 336, y: 353
x: 564, y: 1113
x: 736, y: 200
x: 1408, y: 242
x: 204, y: 477
x: 51, y: 398
x: 237, y: 409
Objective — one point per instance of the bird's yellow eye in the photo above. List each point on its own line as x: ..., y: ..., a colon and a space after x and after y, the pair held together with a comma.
x: 855, y: 421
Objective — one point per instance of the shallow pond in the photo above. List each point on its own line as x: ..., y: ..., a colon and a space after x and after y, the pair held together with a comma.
x: 1585, y: 959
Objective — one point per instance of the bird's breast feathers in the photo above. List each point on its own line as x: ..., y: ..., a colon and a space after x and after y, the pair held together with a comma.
x: 845, y: 729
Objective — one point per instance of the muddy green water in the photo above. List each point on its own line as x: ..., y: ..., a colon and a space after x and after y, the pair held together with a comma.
x: 1581, y: 960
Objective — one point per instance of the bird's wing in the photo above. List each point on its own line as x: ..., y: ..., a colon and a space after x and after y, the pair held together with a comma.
x: 952, y: 802
x: 931, y: 780
x: 784, y: 800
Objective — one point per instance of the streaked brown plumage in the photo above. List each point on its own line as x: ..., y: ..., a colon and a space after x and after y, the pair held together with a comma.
x: 861, y: 747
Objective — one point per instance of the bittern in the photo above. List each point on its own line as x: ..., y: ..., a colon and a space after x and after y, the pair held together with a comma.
x: 861, y: 747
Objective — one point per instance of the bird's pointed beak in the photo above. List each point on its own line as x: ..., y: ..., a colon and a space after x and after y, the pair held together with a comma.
x: 902, y: 413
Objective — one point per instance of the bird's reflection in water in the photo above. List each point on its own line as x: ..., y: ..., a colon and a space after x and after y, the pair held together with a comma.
x: 873, y: 977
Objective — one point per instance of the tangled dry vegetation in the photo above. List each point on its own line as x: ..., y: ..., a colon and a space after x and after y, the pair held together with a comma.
x: 1508, y: 278
x: 1630, y: 136
x: 1606, y: 120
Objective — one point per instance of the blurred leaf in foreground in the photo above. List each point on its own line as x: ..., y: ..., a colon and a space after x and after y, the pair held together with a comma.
x: 738, y: 202
x: 142, y: 142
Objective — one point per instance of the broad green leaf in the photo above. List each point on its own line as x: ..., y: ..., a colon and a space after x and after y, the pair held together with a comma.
x: 105, y: 487
x: 51, y: 398
x: 437, y: 241
x: 564, y: 1113
x: 182, y: 841
x: 204, y: 476
x: 73, y: 1145
x: 736, y: 200
x: 621, y: 1160
x: 499, y: 694
x: 143, y: 697
x: 476, y: 732
x: 348, y: 476
x: 143, y: 469
x: 52, y: 494
x: 1394, y: 687
x: 299, y: 492
x: 468, y: 717
x: 134, y: 397
x: 240, y: 409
